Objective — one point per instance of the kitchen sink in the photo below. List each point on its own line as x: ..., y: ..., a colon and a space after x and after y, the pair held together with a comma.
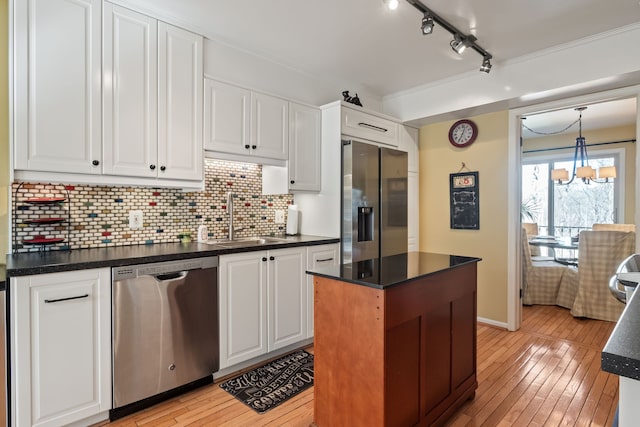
x: 245, y: 242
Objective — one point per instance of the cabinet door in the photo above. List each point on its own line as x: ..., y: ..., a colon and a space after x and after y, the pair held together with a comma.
x: 287, y: 297
x: 413, y: 209
x: 364, y: 125
x: 130, y: 93
x: 270, y: 126
x: 61, y: 341
x: 180, y: 90
x: 227, y: 118
x: 243, y: 307
x: 58, y: 86
x: 304, y: 147
x: 318, y: 256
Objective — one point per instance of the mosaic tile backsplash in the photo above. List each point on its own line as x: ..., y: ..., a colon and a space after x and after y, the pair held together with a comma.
x: 97, y: 216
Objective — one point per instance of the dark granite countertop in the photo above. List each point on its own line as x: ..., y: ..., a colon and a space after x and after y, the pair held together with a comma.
x: 79, y: 259
x: 392, y: 270
x: 621, y: 354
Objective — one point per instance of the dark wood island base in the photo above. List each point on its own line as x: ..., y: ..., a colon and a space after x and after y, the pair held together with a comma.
x: 395, y: 340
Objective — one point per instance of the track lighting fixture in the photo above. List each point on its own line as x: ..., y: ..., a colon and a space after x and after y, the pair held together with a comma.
x: 460, y: 41
x: 427, y: 24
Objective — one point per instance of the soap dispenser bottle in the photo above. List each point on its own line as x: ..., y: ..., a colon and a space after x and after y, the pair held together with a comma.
x: 203, y: 233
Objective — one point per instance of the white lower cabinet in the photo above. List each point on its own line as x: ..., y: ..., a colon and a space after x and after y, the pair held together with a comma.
x: 262, y: 303
x: 318, y: 256
x: 60, y: 347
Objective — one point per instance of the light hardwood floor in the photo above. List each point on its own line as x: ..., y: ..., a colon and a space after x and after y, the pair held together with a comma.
x: 546, y: 374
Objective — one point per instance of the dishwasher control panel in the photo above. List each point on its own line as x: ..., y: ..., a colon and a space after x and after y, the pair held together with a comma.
x: 154, y: 269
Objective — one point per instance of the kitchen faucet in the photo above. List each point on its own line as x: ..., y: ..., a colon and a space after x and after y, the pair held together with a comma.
x: 230, y: 210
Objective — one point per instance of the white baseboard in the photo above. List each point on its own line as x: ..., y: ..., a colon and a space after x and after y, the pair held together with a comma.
x: 493, y: 322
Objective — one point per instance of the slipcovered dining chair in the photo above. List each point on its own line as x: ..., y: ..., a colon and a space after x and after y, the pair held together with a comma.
x: 599, y: 254
x: 541, y: 279
x: 532, y: 230
x: 614, y: 227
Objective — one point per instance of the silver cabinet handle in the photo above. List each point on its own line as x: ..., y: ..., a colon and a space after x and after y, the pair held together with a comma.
x: 47, y: 301
x: 378, y: 128
x: 325, y: 260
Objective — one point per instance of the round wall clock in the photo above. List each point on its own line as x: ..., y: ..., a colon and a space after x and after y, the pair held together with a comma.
x: 463, y: 133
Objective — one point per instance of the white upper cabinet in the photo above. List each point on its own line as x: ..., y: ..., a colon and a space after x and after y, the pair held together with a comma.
x: 227, y: 112
x: 130, y: 92
x: 152, y: 97
x: 361, y: 124
x: 304, y: 147
x: 240, y: 122
x: 270, y: 126
x: 180, y: 84
x: 102, y: 90
x: 57, y: 85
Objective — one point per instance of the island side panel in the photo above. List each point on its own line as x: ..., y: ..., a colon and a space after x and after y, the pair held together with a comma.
x: 444, y: 307
x: 349, y: 354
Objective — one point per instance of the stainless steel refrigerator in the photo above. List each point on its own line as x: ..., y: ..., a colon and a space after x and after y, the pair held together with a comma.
x: 374, y: 201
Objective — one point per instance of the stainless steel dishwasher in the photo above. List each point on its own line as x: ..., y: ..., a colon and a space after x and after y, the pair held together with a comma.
x: 165, y: 330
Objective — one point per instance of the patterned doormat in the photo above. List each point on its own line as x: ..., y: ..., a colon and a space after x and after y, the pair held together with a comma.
x: 268, y: 386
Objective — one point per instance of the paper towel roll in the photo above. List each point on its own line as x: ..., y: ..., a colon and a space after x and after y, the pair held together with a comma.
x: 292, y: 220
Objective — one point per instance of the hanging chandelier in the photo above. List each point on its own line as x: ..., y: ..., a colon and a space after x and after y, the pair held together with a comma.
x: 584, y: 171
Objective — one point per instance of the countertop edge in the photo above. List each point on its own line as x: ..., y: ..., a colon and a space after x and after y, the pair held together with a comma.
x: 471, y: 260
x: 621, y: 353
x: 81, y: 259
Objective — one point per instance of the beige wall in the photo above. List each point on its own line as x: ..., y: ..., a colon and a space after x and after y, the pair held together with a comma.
x: 4, y: 130
x: 620, y: 133
x: 488, y: 156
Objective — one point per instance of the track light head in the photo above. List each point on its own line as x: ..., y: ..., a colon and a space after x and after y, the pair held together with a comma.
x: 458, y: 44
x: 427, y: 24
x: 486, y: 65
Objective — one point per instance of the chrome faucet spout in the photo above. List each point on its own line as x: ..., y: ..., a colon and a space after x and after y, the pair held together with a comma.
x: 230, y: 211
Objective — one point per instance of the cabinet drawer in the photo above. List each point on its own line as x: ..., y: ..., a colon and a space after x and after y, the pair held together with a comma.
x: 367, y: 126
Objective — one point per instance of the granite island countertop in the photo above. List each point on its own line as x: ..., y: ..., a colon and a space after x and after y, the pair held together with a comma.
x: 385, y: 272
x: 621, y: 353
x: 80, y: 259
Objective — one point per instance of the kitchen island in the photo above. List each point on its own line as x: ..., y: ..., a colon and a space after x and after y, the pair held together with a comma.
x: 395, y: 340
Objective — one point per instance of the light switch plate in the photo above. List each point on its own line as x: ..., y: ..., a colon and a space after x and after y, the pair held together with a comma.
x: 279, y: 216
x: 136, y: 219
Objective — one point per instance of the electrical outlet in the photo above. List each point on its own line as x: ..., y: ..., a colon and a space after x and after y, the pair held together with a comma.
x: 136, y: 219
x: 279, y: 216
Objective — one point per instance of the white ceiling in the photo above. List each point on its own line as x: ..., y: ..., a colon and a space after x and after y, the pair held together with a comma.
x: 364, y: 42
x: 384, y: 51
x: 597, y: 116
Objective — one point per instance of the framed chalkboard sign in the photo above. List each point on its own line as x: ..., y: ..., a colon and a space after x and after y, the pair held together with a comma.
x: 465, y: 201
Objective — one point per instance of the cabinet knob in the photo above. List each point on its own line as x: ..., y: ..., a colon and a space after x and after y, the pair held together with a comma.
x: 152, y: 167
x: 272, y: 258
x: 264, y: 259
x: 254, y: 147
x: 247, y: 146
x: 163, y: 168
x: 95, y: 162
x: 293, y: 181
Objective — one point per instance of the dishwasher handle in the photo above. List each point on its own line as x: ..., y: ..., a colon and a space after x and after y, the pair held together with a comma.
x: 171, y: 276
